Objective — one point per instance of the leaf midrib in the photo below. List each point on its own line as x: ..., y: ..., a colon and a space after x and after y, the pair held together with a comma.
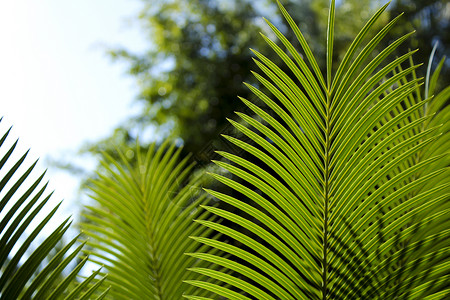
x: 326, y: 199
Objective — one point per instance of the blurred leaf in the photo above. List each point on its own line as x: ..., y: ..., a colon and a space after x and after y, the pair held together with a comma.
x: 140, y: 226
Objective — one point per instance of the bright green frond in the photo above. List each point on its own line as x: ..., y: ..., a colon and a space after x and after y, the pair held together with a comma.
x: 343, y: 188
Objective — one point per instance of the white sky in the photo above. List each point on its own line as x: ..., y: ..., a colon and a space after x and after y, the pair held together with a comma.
x: 57, y: 86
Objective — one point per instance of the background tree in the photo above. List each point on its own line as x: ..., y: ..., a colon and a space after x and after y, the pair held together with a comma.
x: 190, y: 76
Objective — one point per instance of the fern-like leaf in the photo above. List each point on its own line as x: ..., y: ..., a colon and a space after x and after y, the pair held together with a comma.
x: 140, y: 226
x: 23, y: 250
x: 347, y: 180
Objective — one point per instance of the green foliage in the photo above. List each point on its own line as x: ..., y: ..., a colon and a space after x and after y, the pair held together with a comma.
x: 339, y: 188
x: 20, y: 276
x: 139, y: 230
x: 348, y: 179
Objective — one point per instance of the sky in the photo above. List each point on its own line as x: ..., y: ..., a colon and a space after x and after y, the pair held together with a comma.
x: 58, y: 88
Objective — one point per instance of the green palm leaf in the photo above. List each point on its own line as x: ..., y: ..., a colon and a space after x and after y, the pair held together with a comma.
x: 20, y: 273
x: 346, y: 193
x: 139, y: 230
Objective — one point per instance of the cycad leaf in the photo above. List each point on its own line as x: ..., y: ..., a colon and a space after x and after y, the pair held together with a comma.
x: 141, y: 224
x: 344, y: 191
x: 22, y: 248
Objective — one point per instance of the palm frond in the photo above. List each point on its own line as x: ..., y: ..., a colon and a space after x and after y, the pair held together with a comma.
x: 140, y: 226
x: 348, y: 179
x: 22, y: 201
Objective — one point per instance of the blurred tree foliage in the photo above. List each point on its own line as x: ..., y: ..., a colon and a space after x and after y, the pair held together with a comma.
x: 198, y: 57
